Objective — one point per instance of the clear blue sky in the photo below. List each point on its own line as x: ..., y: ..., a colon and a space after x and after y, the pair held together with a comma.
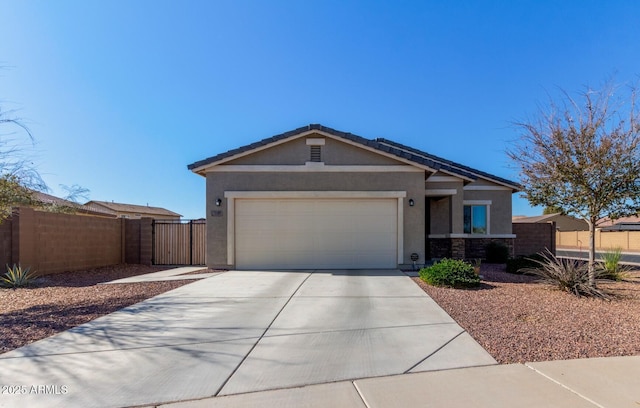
x: 123, y: 95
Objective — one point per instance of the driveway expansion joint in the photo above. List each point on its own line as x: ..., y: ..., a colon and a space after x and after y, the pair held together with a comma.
x: 262, y: 335
x: 563, y: 386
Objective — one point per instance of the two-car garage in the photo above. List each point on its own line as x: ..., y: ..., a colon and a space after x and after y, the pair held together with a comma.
x: 314, y: 230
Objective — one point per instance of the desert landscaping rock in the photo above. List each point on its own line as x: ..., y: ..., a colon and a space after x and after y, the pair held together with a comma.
x: 517, y: 320
x: 59, y: 302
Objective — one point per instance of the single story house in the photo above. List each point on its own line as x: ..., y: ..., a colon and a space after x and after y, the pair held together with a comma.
x: 631, y: 223
x: 134, y: 211
x: 49, y: 201
x: 563, y: 222
x: 319, y: 198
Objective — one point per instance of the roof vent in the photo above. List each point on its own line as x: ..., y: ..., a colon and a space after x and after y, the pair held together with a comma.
x: 315, y: 153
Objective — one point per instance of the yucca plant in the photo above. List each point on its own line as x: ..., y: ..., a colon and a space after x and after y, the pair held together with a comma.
x: 569, y: 275
x: 17, y: 277
x: 610, y: 266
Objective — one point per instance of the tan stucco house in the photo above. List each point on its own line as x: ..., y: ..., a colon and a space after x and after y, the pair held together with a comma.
x: 318, y: 198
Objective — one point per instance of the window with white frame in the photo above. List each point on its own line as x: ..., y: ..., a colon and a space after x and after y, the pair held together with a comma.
x: 476, y: 217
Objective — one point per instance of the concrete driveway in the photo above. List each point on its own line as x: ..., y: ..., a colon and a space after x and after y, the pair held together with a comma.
x: 242, y: 331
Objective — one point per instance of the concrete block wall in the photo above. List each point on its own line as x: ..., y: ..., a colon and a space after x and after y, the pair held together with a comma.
x: 5, y: 244
x: 53, y: 243
x: 138, y: 241
x: 534, y: 238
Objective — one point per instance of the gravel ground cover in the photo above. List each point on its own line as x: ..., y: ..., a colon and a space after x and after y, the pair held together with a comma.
x: 518, y: 320
x: 58, y: 302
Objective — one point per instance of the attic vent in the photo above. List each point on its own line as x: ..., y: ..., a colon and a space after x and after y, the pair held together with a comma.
x: 316, y: 153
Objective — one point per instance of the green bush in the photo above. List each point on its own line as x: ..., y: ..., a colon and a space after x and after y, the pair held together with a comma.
x: 497, y: 252
x: 16, y: 277
x: 517, y: 265
x: 450, y: 272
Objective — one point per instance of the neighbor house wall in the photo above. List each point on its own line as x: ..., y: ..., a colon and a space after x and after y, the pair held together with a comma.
x: 219, y: 182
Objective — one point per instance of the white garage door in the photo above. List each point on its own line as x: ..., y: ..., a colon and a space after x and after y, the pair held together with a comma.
x: 316, y: 233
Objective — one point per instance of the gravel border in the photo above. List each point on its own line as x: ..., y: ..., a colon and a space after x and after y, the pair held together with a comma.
x: 55, y: 303
x: 518, y: 320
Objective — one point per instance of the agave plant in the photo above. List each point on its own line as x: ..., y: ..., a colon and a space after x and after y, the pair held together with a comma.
x: 17, y: 277
x: 569, y: 275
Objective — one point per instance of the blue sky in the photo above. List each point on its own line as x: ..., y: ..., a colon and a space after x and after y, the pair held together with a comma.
x: 122, y: 95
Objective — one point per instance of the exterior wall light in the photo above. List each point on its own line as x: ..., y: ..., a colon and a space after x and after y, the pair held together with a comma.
x: 218, y: 202
x: 411, y: 202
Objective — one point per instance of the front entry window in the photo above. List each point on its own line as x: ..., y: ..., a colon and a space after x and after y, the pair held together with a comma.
x: 475, y: 219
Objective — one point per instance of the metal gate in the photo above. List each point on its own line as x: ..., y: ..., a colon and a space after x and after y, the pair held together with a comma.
x: 179, y: 242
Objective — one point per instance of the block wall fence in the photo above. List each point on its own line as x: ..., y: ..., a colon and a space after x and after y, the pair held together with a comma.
x: 627, y: 241
x: 534, y: 238
x: 51, y: 243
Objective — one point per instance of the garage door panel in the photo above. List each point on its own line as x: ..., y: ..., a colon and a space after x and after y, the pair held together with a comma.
x: 316, y: 233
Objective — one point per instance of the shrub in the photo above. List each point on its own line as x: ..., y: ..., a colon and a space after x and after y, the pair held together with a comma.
x: 17, y: 277
x: 610, y: 267
x: 568, y: 275
x: 497, y: 252
x: 450, y: 272
x: 517, y: 265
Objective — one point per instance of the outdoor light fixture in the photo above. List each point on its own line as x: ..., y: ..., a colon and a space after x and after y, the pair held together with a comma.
x: 218, y: 202
x: 411, y: 202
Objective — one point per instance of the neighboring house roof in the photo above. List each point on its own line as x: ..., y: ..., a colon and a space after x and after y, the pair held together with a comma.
x: 607, y: 222
x: 398, y: 150
x: 132, y: 208
x: 623, y: 226
x: 79, y: 208
x: 536, y: 218
x: 563, y: 222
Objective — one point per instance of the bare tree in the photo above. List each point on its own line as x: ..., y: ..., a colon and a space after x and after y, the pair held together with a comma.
x: 19, y: 178
x: 581, y: 155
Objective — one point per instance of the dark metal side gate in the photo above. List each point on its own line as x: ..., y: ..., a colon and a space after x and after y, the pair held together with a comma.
x: 179, y: 242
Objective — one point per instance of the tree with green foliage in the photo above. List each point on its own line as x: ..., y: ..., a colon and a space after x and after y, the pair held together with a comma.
x: 552, y: 210
x: 582, y: 156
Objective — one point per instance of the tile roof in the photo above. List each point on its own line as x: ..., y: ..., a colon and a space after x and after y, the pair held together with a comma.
x: 383, y: 145
x: 607, y: 222
x: 536, y: 218
x: 80, y: 208
x: 142, y: 209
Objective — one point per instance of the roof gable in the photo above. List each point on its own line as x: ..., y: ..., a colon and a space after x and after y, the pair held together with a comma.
x: 381, y: 146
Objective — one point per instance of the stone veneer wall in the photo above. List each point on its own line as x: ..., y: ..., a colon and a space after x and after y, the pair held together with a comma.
x: 465, y: 248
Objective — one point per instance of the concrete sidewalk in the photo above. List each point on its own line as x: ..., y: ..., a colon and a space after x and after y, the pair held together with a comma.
x: 600, y: 382
x: 167, y: 275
